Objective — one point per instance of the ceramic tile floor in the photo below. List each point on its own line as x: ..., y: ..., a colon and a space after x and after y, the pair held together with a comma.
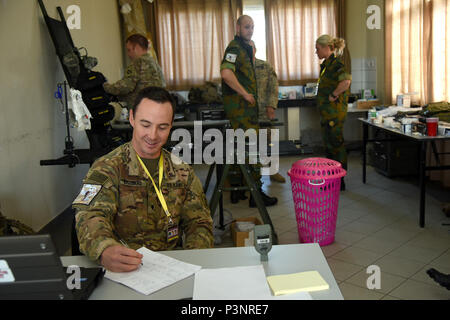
x: 378, y: 224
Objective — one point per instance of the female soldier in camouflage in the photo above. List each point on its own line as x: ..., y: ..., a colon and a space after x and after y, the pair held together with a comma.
x: 332, y: 97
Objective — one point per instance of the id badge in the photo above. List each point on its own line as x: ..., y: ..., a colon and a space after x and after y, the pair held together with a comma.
x: 172, y: 233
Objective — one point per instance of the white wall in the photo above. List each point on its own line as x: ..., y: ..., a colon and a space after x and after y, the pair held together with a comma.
x: 366, y: 47
x: 32, y: 127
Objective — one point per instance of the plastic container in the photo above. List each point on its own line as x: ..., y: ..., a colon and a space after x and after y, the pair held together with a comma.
x: 316, y: 184
x: 432, y: 125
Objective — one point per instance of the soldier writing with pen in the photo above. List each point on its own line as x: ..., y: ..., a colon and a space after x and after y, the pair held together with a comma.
x: 142, y: 195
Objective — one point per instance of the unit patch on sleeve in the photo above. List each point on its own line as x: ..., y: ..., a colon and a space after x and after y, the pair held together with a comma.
x: 231, y: 57
x: 87, y: 193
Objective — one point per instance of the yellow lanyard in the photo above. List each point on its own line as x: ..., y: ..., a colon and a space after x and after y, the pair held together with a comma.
x: 321, y: 75
x: 158, y: 191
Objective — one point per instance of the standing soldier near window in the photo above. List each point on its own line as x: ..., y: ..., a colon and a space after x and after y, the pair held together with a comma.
x: 332, y: 97
x: 239, y: 95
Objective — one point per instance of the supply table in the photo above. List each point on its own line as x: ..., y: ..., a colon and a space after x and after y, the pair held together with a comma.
x: 423, y: 142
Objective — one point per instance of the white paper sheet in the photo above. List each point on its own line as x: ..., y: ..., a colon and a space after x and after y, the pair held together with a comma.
x: 238, y: 283
x: 158, y: 271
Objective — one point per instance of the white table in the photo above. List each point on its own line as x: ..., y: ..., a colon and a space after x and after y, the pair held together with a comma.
x: 283, y: 259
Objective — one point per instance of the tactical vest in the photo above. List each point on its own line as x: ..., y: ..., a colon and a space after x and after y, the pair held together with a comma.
x: 208, y: 93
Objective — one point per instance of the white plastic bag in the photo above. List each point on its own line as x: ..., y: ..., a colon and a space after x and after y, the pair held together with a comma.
x: 79, y: 109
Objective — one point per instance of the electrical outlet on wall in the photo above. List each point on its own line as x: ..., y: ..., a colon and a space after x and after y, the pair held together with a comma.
x: 370, y: 64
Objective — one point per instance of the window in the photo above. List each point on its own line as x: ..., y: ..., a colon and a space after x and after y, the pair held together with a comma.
x: 255, y: 9
x: 192, y: 37
x: 293, y: 28
x: 418, y: 49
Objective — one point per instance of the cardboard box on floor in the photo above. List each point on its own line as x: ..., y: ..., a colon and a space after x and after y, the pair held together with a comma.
x: 240, y: 236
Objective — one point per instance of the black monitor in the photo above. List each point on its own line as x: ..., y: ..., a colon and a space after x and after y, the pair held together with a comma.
x: 36, y: 268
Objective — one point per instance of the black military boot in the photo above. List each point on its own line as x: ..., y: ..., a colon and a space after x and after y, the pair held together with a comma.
x: 237, y: 195
x: 342, y: 184
x: 234, y: 197
x: 268, y: 201
x: 442, y: 279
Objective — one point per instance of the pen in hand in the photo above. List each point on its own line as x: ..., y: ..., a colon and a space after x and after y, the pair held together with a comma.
x: 126, y: 245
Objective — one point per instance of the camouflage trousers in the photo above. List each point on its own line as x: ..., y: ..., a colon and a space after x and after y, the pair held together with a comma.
x: 242, y: 116
x: 333, y: 138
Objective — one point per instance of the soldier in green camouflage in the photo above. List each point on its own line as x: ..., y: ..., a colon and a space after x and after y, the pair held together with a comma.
x: 119, y: 205
x: 332, y: 97
x: 143, y: 72
x: 239, y: 90
x: 267, y: 84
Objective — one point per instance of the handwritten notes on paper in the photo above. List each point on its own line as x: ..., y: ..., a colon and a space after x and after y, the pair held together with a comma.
x: 158, y: 271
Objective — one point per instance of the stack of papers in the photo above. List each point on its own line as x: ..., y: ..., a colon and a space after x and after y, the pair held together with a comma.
x: 158, y: 271
x: 297, y: 282
x: 238, y: 283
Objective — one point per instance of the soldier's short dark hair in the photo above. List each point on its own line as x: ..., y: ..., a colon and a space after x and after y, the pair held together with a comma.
x: 138, y: 39
x: 156, y: 94
x: 239, y: 20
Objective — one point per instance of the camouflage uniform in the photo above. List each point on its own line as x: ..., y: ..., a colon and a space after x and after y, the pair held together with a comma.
x: 267, y: 84
x: 333, y: 114
x: 238, y: 57
x: 127, y: 208
x: 141, y: 73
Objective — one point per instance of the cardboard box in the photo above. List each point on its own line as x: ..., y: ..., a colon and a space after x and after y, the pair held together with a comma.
x: 360, y: 104
x: 240, y: 236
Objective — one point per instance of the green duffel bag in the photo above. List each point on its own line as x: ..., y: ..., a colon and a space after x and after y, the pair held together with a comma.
x: 439, y: 110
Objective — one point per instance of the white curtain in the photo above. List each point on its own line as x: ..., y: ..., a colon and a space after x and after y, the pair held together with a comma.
x: 293, y: 27
x: 417, y: 49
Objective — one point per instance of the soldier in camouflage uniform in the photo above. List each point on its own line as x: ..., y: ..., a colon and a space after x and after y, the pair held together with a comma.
x: 239, y: 92
x: 118, y: 204
x: 267, y: 84
x: 332, y: 97
x: 143, y: 72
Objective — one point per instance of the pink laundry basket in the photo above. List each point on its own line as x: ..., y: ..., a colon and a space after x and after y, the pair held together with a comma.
x: 316, y: 183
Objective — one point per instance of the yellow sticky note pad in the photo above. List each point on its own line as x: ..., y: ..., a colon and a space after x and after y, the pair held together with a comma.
x: 296, y: 282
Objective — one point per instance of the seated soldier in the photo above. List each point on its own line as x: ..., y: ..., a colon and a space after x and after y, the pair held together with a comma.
x: 141, y: 195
